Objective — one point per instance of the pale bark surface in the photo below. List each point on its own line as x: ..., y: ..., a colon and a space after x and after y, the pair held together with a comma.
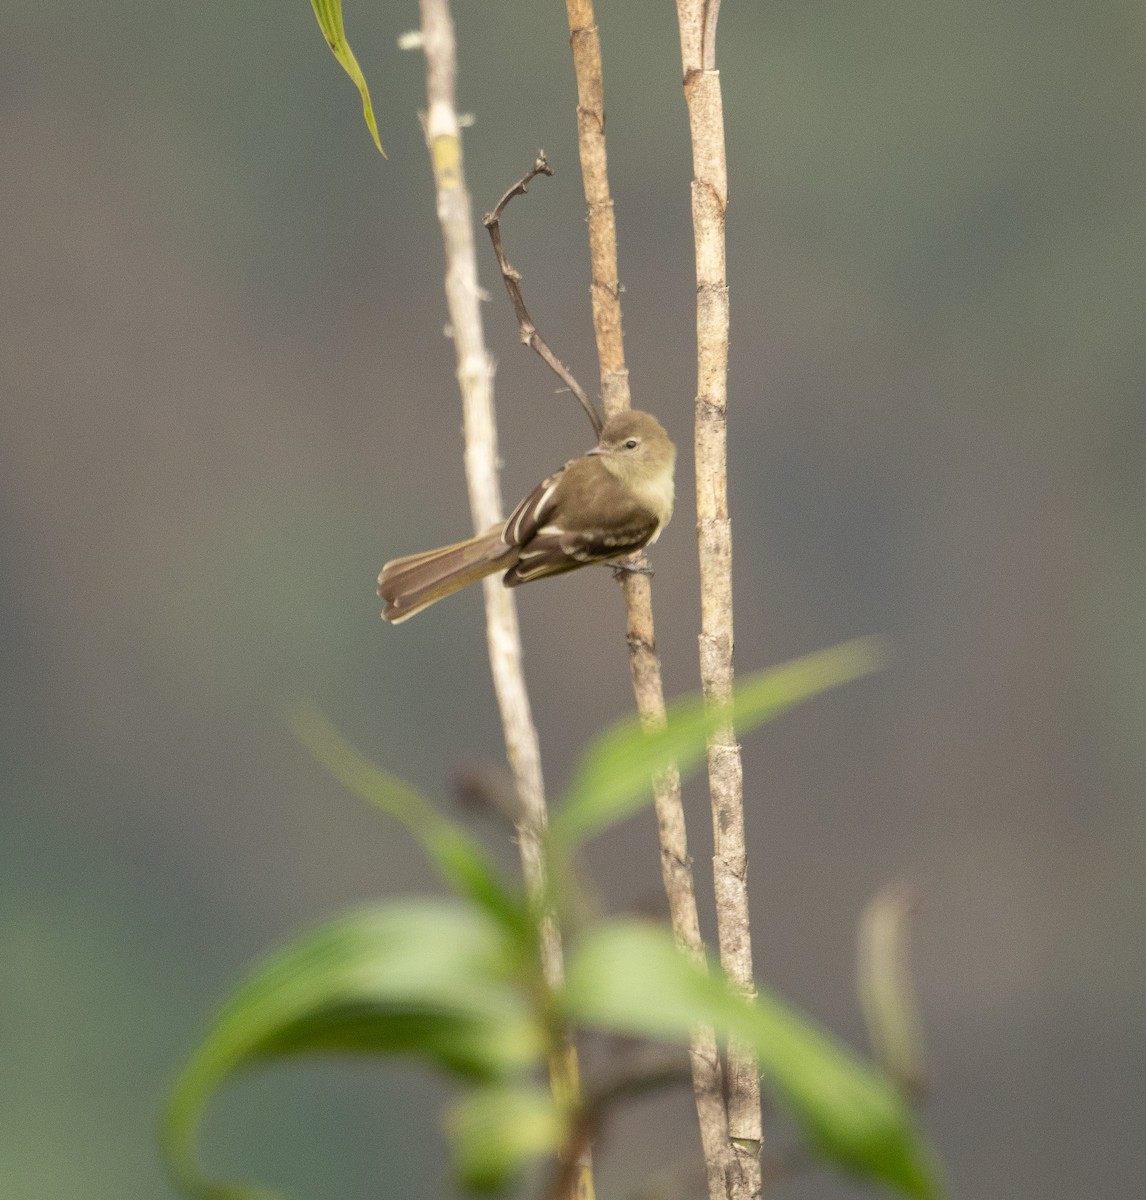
x: 644, y: 663
x: 697, y: 20
x: 475, y: 378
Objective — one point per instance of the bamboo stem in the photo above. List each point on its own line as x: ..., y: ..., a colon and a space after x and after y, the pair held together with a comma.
x: 475, y: 371
x: 644, y: 662
x: 697, y: 21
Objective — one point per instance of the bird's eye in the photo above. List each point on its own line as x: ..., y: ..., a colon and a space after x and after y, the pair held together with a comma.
x: 631, y: 444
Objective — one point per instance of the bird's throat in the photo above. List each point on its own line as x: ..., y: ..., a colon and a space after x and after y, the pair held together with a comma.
x: 652, y: 486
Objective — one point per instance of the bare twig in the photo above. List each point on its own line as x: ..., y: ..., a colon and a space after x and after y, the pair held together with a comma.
x: 540, y: 167
x: 512, y: 278
x: 644, y: 663
x: 632, y: 1081
x: 475, y: 379
x: 697, y: 21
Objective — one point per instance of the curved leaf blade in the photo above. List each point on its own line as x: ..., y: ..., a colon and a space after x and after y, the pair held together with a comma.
x: 460, y: 858
x: 885, y: 993
x: 629, y: 977
x: 614, y: 779
x: 428, y: 978
x: 329, y: 14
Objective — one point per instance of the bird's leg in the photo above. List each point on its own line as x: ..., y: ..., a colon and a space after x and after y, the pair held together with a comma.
x: 635, y: 564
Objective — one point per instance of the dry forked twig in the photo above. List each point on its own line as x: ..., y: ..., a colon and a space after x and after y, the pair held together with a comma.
x: 530, y: 336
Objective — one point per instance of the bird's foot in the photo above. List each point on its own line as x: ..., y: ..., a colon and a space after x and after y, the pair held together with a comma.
x: 635, y: 564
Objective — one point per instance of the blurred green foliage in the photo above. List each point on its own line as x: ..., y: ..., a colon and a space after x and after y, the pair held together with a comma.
x: 461, y: 985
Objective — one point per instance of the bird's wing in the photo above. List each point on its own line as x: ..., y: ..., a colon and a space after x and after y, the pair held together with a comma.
x: 551, y: 545
x: 553, y: 550
x: 531, y: 514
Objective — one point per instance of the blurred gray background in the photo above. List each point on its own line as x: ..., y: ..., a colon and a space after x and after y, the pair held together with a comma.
x: 227, y: 399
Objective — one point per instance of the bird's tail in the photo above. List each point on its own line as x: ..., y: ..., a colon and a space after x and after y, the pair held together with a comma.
x: 410, y: 584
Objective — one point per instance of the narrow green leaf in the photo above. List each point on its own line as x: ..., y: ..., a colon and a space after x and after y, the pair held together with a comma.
x: 497, y: 1130
x: 329, y: 14
x: 428, y: 978
x: 461, y: 859
x: 629, y: 977
x: 885, y: 991
x: 616, y: 772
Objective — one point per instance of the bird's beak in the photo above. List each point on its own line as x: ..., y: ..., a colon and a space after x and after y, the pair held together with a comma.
x: 599, y: 450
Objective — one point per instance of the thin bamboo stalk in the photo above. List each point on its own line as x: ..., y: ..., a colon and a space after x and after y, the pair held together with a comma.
x: 475, y: 371
x: 697, y: 21
x: 644, y: 662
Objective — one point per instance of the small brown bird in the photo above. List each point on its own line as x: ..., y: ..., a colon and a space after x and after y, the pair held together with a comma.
x: 611, y: 502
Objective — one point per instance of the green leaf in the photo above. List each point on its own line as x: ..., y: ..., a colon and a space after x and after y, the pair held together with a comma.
x: 616, y: 773
x: 329, y: 14
x: 428, y: 978
x: 497, y: 1130
x: 885, y: 992
x: 460, y: 858
x: 629, y: 977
